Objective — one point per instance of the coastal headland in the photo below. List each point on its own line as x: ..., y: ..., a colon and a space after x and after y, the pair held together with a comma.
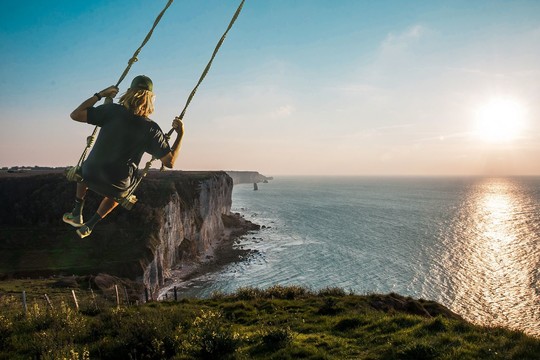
x: 179, y: 221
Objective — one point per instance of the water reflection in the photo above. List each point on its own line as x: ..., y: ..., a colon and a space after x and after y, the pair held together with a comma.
x: 471, y: 244
x: 492, y: 256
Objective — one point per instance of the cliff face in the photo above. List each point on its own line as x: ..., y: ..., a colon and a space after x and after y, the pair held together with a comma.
x: 189, y: 232
x: 177, y: 222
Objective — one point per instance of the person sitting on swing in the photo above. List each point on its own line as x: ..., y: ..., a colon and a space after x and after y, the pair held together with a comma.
x: 126, y: 134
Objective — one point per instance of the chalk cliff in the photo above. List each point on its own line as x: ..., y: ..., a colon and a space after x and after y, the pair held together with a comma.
x: 178, y: 221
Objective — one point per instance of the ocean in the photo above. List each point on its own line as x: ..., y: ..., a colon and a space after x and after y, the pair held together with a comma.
x: 471, y: 243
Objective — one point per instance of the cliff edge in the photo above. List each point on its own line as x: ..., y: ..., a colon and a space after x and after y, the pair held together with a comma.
x: 178, y: 221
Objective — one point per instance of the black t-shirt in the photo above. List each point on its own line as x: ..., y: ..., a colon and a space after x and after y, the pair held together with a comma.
x: 122, y: 140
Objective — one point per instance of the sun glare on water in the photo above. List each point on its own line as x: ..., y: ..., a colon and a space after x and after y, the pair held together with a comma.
x: 500, y: 120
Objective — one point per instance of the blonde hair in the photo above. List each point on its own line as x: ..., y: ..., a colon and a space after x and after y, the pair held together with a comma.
x: 141, y: 102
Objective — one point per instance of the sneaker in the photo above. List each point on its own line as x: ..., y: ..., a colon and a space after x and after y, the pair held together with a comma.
x: 84, y: 231
x: 76, y: 221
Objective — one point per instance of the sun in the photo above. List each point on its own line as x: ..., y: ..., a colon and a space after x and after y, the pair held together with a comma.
x: 499, y: 120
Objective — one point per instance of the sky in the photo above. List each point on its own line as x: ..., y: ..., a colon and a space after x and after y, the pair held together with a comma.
x: 304, y: 87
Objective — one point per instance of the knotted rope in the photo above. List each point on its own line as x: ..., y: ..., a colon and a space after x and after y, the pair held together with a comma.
x: 134, y: 58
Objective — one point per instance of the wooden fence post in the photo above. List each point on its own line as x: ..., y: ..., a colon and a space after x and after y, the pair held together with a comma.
x: 48, y: 301
x: 25, y: 306
x: 117, y: 296
x: 75, y: 299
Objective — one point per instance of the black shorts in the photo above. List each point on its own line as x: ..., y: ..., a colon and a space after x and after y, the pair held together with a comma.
x: 107, y: 180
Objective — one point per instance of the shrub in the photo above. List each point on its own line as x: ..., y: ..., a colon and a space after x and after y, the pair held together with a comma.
x: 218, y: 295
x: 329, y: 307
x: 210, y: 337
x: 51, y: 333
x: 6, y: 328
x: 139, y: 334
x: 286, y: 292
x: 277, y: 338
x: 273, y: 292
x: 248, y: 293
x: 67, y: 354
x: 38, y: 318
x: 332, y: 291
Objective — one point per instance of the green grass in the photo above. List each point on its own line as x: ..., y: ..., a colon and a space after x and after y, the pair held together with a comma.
x: 276, y: 323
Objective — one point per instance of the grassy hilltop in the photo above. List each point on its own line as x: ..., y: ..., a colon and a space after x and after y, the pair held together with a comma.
x: 275, y: 323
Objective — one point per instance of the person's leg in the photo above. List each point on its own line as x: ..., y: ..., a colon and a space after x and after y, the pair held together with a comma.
x: 81, y: 190
x: 75, y: 218
x: 107, y: 205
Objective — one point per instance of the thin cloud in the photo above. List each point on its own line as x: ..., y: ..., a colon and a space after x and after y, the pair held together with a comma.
x: 397, y: 42
x: 283, y: 111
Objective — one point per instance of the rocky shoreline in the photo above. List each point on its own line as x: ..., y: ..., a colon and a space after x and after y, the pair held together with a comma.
x: 226, y: 253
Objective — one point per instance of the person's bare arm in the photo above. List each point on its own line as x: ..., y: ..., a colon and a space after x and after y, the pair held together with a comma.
x: 80, y: 113
x: 169, y: 159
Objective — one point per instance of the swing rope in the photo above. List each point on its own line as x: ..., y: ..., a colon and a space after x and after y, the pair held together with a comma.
x: 125, y: 201
x: 72, y: 172
x: 134, y: 58
x: 207, y: 68
x: 130, y: 199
